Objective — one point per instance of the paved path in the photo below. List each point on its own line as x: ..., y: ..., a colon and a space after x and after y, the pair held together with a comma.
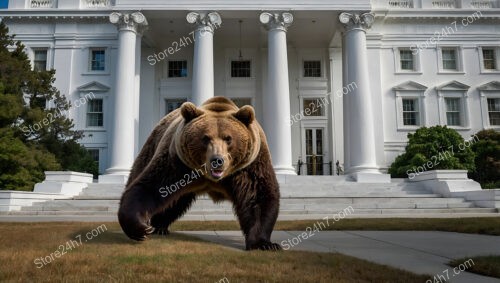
x: 418, y: 252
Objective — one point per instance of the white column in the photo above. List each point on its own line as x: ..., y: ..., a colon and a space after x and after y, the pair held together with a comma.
x: 122, y: 138
x: 203, y: 61
x: 276, y: 102
x: 358, y: 111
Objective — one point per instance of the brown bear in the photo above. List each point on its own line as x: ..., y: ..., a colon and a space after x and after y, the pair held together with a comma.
x: 217, y: 149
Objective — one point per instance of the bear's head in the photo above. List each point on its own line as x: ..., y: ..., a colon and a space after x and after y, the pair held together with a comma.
x: 218, y: 138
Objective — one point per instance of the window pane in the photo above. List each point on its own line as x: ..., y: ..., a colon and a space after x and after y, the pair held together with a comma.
x: 452, y: 104
x: 309, y: 144
x: 410, y: 112
x: 494, y: 111
x: 94, y: 113
x: 95, y: 154
x: 406, y: 58
x: 493, y: 104
x: 172, y: 104
x: 453, y: 111
x: 177, y: 69
x: 312, y: 69
x: 241, y: 69
x: 449, y: 59
x: 319, y: 141
x: 40, y: 60
x: 489, y: 59
x: 98, y: 60
x: 313, y: 107
x: 240, y: 102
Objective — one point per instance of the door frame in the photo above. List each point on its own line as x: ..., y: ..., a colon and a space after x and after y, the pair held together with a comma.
x: 322, y: 124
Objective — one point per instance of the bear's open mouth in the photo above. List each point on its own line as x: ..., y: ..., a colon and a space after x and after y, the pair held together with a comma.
x: 217, y: 173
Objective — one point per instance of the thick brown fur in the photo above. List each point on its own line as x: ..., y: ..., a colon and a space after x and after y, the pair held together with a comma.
x: 216, y: 149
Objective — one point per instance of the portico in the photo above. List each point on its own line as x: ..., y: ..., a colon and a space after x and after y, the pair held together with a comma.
x: 188, y: 63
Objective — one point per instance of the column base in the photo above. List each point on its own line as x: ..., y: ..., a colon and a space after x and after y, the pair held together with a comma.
x: 285, y: 171
x: 113, y: 179
x: 363, y: 177
x: 368, y: 174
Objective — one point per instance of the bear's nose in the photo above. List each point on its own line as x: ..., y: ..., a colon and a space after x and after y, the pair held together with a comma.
x: 216, y: 161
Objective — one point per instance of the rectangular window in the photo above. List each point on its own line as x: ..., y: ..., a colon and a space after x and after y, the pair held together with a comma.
x: 494, y: 111
x: 172, y: 104
x: 241, y: 69
x: 95, y: 154
x: 410, y: 112
x: 177, y: 69
x: 97, y: 59
x: 453, y: 111
x: 240, y: 102
x: 312, y: 69
x: 313, y: 107
x: 489, y: 59
x: 40, y: 60
x: 95, y: 113
x: 406, y: 58
x: 449, y: 59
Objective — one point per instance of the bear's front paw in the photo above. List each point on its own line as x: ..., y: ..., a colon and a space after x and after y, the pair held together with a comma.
x: 135, y: 226
x: 161, y: 231
x: 270, y: 247
x: 265, y: 246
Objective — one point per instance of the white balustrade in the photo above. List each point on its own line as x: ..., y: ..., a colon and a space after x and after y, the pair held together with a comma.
x: 43, y: 3
x: 401, y: 4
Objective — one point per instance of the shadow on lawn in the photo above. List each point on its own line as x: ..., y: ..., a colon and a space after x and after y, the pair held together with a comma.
x: 118, y: 237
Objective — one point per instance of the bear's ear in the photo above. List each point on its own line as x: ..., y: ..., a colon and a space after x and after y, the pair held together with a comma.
x: 189, y: 111
x: 246, y: 115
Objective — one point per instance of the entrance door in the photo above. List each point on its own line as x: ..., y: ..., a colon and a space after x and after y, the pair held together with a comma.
x: 315, y: 159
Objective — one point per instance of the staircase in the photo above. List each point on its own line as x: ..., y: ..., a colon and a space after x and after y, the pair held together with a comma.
x: 302, y: 197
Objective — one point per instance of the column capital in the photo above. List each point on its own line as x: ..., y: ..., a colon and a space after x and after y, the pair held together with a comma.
x: 205, y: 21
x: 357, y: 21
x: 135, y: 22
x: 280, y: 21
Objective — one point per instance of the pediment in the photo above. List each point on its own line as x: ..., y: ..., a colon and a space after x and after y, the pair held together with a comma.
x: 410, y: 86
x: 93, y: 87
x: 493, y: 85
x: 453, y: 85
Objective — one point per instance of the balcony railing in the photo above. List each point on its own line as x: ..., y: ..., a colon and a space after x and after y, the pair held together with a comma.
x: 43, y: 3
x: 96, y: 4
x: 444, y: 4
x: 482, y: 4
x: 401, y: 4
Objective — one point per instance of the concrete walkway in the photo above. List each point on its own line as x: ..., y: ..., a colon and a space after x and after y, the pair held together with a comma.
x: 418, y: 252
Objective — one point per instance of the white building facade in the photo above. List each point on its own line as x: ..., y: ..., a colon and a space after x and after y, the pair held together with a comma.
x: 330, y: 80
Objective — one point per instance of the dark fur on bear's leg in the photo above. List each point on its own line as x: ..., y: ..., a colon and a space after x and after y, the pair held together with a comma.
x: 257, y: 222
x: 257, y: 211
x: 162, y: 220
x: 134, y: 215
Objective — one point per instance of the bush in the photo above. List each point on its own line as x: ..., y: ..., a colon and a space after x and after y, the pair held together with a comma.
x: 487, y: 160
x: 433, y: 148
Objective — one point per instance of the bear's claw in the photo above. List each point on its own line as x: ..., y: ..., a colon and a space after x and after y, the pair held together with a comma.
x: 270, y: 247
x: 265, y: 246
x: 161, y: 231
x: 135, y: 227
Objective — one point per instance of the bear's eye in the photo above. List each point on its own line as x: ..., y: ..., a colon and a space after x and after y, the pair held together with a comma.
x: 228, y: 139
x: 206, y: 139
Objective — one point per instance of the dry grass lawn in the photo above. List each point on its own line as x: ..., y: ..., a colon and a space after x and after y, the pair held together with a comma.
x: 111, y: 257
x: 484, y: 225
x: 485, y: 265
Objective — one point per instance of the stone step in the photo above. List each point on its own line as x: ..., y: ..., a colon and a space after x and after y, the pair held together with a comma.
x: 318, y: 214
x: 227, y: 207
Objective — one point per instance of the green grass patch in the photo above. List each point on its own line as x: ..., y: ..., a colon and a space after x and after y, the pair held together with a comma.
x: 484, y: 265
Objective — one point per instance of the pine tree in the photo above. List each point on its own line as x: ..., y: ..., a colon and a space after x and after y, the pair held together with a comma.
x: 35, y: 133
